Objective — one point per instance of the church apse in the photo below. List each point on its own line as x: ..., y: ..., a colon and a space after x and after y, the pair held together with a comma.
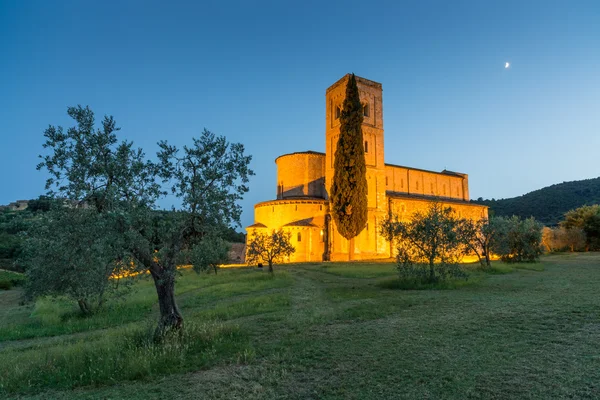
x: 301, y: 174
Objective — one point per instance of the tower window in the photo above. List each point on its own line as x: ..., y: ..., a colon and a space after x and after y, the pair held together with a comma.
x: 338, y: 112
x: 366, y: 146
x: 299, y: 236
x: 386, y: 181
x: 366, y: 111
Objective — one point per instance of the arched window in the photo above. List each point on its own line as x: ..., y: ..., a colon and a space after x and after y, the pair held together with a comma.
x: 299, y: 236
x: 338, y: 112
x: 366, y: 110
x: 366, y: 146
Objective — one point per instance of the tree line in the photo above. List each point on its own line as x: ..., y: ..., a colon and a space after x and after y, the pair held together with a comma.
x: 431, y: 245
x: 547, y: 205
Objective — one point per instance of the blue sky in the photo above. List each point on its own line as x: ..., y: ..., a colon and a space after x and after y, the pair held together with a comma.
x: 256, y: 72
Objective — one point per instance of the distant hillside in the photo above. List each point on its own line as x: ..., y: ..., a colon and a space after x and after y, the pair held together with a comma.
x: 548, y: 205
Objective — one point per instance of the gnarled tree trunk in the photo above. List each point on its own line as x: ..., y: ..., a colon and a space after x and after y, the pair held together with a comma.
x: 170, y: 316
x: 84, y: 306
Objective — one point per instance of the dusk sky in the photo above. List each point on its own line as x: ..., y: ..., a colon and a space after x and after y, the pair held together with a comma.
x: 257, y: 71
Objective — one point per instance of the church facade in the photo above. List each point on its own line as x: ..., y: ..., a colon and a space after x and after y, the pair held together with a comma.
x: 304, y: 178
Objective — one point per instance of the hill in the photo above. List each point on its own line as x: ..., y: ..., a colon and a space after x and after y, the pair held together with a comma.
x: 548, y: 205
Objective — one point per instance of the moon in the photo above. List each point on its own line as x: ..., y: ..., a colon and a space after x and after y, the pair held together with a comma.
x: 506, y: 65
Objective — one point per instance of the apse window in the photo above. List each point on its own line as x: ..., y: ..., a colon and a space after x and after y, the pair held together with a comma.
x: 299, y: 236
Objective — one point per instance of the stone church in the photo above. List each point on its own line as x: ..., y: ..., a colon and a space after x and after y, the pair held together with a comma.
x: 304, y: 178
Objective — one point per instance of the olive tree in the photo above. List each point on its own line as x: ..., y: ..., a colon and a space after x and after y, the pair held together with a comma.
x: 269, y: 248
x: 480, y: 237
x: 211, y: 252
x: 74, y: 252
x: 429, y: 245
x: 92, y: 168
x: 519, y: 240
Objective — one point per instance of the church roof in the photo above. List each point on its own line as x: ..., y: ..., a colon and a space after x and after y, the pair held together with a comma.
x: 302, y: 222
x: 310, y: 152
x: 360, y: 79
x: 445, y: 172
x: 442, y: 199
x: 257, y: 225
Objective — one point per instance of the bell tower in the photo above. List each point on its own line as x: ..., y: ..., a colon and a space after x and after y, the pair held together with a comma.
x: 368, y: 244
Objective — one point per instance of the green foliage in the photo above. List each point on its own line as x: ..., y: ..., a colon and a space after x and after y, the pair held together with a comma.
x: 429, y: 245
x: 519, y: 240
x: 12, y: 225
x: 586, y: 218
x: 9, y: 279
x: 480, y: 236
x: 209, y: 253
x: 269, y: 248
x: 548, y: 205
x: 74, y: 252
x: 348, y: 194
x: 41, y: 204
x: 233, y: 236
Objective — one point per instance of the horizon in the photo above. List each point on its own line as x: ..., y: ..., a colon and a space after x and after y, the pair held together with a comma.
x: 506, y: 92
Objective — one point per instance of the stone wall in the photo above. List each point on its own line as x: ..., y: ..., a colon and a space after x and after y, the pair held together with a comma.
x: 426, y: 183
x: 301, y: 174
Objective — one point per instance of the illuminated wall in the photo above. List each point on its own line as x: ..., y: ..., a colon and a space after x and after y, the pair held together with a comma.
x: 301, y: 174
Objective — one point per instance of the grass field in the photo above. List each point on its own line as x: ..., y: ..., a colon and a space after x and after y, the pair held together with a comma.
x: 321, y: 331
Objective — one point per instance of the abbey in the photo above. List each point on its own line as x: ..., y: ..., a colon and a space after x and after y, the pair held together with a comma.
x: 304, y: 178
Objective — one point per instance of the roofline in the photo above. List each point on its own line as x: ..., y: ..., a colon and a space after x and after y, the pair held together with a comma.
x: 427, y: 170
x: 307, y: 152
x: 358, y: 79
x: 411, y: 196
x: 309, y: 200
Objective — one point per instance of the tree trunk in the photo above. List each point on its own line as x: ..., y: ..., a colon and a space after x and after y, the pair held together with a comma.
x: 270, y: 266
x: 431, y: 270
x: 84, y: 307
x: 170, y: 317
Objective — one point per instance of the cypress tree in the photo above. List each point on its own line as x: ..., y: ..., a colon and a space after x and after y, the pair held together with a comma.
x: 348, y: 194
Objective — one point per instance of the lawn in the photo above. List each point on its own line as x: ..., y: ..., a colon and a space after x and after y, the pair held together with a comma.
x: 321, y: 331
